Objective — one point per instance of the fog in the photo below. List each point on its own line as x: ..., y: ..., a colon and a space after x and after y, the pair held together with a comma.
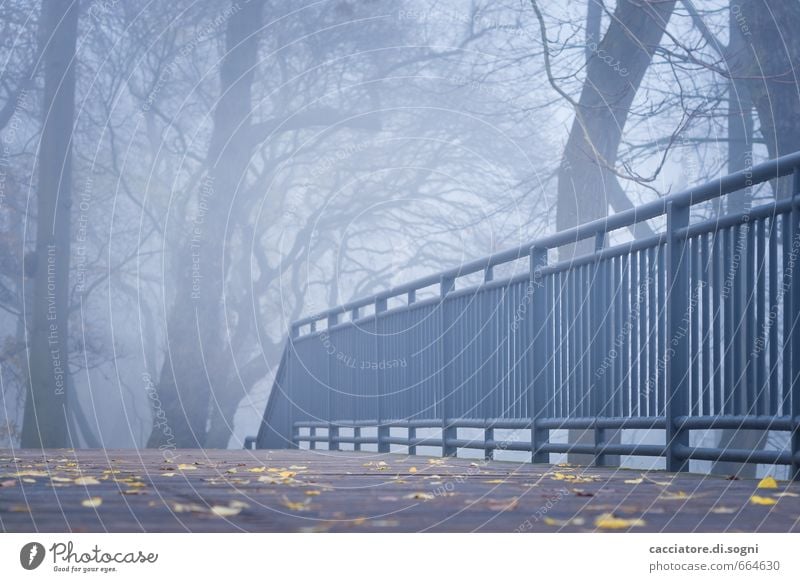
x: 220, y: 169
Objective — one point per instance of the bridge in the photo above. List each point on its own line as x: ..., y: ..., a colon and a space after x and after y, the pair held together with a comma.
x: 399, y: 411
x: 692, y: 329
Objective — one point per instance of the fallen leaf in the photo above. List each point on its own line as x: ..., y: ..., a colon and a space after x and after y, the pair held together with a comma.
x: 298, y: 467
x: 28, y: 480
x: 92, y: 502
x: 186, y: 467
x: 222, y: 511
x: 187, y: 507
x: 768, y: 482
x: 295, y: 505
x: 312, y: 492
x: 786, y: 494
x: 419, y: 495
x: 610, y: 521
x: 563, y: 522
x: 86, y: 481
x: 723, y: 510
x: 231, y: 471
x: 287, y: 474
x: 634, y: 481
x: 672, y: 496
x: 60, y: 479
x: 10, y: 483
x: 257, y: 470
x: 167, y: 474
x: 503, y: 504
x: 495, y: 481
x: 759, y: 500
x: 412, y: 470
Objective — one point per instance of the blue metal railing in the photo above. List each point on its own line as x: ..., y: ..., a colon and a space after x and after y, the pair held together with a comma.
x: 695, y: 328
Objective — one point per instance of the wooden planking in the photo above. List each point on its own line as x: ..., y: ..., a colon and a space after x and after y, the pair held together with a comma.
x: 362, y: 491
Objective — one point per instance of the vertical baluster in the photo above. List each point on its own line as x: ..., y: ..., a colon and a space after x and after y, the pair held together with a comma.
x: 737, y: 320
x: 641, y: 384
x: 794, y: 309
x: 677, y: 367
x: 788, y: 276
x: 537, y: 388
x: 717, y: 254
x: 448, y: 432
x: 558, y: 338
x: 626, y: 335
x: 773, y: 313
x: 333, y: 428
x: 750, y: 333
x: 597, y: 380
x: 662, y: 330
x: 634, y: 334
x: 705, y: 306
x: 694, y: 331
x: 413, y: 410
x: 380, y: 376
x: 759, y: 337
x: 728, y: 321
x: 652, y: 338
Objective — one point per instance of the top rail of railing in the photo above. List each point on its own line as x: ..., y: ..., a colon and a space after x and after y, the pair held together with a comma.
x: 769, y: 170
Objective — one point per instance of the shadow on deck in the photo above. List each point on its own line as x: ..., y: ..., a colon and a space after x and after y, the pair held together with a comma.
x: 299, y: 490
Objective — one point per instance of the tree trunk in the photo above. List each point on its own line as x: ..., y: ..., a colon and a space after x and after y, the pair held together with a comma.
x: 613, y: 75
x: 196, y: 349
x: 769, y: 70
x: 45, y: 420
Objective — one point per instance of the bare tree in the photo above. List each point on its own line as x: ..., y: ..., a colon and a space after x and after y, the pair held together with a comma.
x: 46, y: 418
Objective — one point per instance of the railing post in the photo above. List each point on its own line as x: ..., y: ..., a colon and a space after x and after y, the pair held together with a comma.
x: 333, y: 429
x: 486, y: 348
x: 794, y: 308
x: 537, y: 388
x: 412, y: 431
x: 380, y: 380
x: 597, y: 349
x: 449, y: 432
x: 677, y: 345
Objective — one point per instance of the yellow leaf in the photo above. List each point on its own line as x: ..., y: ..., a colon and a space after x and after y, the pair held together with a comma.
x: 670, y: 496
x: 167, y: 474
x: 610, y: 521
x: 563, y: 522
x: 92, y: 502
x: 723, y: 510
x: 231, y: 471
x: 412, y: 470
x: 312, y: 492
x: 634, y: 481
x: 759, y: 500
x: 30, y: 474
x: 222, y: 511
x: 186, y: 507
x: 257, y: 470
x: 768, y: 482
x: 186, y: 467
x: 295, y: 505
x: 287, y: 474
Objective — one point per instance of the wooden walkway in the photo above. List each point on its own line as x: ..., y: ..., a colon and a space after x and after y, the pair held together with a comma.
x: 288, y: 491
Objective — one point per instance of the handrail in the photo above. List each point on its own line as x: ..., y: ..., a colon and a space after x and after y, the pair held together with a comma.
x: 768, y: 170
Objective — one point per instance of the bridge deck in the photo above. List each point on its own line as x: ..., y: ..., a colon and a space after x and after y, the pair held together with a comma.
x: 209, y: 491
